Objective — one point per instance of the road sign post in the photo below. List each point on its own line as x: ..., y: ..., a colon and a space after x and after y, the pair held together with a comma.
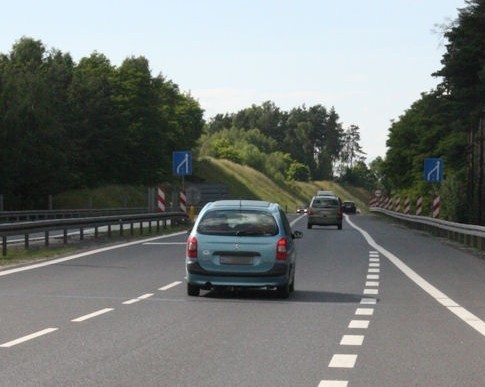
x: 182, y: 164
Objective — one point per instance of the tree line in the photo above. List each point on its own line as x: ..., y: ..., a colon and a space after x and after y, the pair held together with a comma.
x: 304, y: 143
x: 66, y: 125
x: 447, y: 122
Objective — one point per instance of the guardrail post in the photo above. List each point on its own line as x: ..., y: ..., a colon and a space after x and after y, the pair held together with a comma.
x: 26, y: 241
x: 65, y: 236
x: 46, y: 238
x: 141, y: 228
x: 81, y: 234
x: 4, y: 245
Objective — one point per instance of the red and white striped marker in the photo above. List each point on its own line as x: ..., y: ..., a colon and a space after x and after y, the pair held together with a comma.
x: 397, y: 207
x: 419, y: 205
x: 407, y: 205
x: 161, y: 200
x: 183, y: 201
x: 436, y: 207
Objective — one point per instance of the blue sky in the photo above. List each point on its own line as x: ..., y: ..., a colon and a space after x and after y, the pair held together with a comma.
x: 370, y: 59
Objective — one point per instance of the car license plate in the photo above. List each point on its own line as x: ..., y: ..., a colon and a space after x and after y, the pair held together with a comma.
x: 235, y: 260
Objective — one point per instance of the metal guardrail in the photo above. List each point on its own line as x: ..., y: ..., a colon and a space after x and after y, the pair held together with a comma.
x: 18, y: 216
x: 467, y: 234
x: 46, y: 226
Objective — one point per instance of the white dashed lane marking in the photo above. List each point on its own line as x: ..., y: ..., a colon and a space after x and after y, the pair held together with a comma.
x: 359, y: 324
x: 364, y: 311
x: 166, y: 287
x: 343, y: 361
x: 333, y: 383
x: 91, y: 315
x: 28, y: 337
x: 133, y: 300
x: 352, y: 340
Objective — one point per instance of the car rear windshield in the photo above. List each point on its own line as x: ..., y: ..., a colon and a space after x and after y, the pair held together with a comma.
x: 325, y: 203
x: 238, y: 222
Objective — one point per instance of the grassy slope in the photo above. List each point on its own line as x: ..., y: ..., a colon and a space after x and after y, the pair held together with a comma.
x: 245, y: 182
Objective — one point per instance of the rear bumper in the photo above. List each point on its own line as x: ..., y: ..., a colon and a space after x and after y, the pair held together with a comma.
x: 318, y: 220
x: 279, y: 275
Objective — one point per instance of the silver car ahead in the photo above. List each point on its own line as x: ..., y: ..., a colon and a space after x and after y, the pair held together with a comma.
x: 324, y: 211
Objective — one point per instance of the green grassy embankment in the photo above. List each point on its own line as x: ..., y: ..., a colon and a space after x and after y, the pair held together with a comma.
x: 245, y: 182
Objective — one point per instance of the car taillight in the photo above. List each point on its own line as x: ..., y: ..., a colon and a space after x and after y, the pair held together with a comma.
x: 282, y: 249
x: 192, y: 247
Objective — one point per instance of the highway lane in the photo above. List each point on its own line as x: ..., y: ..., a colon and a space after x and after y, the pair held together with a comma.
x: 122, y: 317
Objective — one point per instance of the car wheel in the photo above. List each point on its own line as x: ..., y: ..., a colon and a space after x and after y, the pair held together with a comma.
x: 193, y: 290
x: 292, y: 284
x: 309, y: 226
x: 339, y: 226
x: 284, y: 291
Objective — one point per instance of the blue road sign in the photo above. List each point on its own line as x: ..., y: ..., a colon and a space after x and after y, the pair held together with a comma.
x: 182, y: 163
x: 433, y: 170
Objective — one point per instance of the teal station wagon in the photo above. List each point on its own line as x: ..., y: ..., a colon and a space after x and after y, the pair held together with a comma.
x: 241, y: 243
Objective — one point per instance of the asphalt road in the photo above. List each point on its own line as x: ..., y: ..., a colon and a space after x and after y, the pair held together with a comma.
x: 375, y: 304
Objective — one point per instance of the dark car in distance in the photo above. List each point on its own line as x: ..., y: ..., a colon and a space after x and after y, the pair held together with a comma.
x: 349, y: 207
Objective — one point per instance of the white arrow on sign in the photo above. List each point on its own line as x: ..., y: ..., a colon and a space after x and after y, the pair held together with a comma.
x: 435, y: 170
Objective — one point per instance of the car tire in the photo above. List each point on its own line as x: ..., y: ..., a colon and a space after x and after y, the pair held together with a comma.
x: 309, y: 226
x: 339, y: 226
x: 284, y: 291
x: 193, y: 290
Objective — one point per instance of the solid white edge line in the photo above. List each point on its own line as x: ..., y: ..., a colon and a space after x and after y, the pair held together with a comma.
x: 28, y: 337
x: 86, y: 253
x: 462, y: 313
x: 91, y: 315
